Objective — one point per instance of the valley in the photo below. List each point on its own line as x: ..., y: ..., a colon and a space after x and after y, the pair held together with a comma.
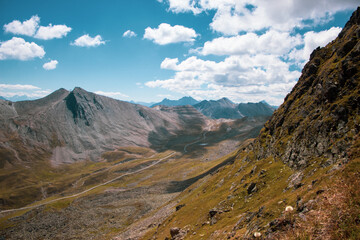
x: 80, y: 165
x: 134, y: 180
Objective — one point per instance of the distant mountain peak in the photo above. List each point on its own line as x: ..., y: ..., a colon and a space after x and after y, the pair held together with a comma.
x: 225, y: 108
x: 182, y: 101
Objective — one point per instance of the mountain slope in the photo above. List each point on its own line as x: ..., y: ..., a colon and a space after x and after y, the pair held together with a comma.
x: 306, y: 156
x: 181, y: 102
x: 79, y: 125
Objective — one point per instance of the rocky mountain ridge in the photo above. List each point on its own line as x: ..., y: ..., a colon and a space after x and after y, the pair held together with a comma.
x: 320, y: 115
x: 79, y: 125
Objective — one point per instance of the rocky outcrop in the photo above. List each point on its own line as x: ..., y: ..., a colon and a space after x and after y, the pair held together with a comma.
x: 320, y: 116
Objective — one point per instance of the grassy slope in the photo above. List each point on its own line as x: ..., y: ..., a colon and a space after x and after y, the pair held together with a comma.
x: 329, y: 115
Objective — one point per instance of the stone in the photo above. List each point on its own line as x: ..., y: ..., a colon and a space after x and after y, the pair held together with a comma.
x: 174, y: 231
x: 252, y: 188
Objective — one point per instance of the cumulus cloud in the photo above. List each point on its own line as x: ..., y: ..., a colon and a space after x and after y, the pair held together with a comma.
x: 312, y: 40
x: 51, y: 32
x: 129, y: 34
x: 181, y: 6
x: 242, y: 78
x: 166, y: 34
x: 169, y: 63
x: 50, y: 65
x: 31, y: 28
x: 116, y: 95
x: 234, y: 16
x: 18, y: 48
x: 271, y: 42
x: 87, y: 41
x: 27, y: 28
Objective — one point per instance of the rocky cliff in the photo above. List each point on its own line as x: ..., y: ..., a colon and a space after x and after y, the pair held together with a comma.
x: 320, y: 116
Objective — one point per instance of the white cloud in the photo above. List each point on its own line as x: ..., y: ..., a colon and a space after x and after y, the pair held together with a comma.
x: 87, y: 41
x: 18, y: 48
x: 271, y: 42
x: 18, y: 87
x: 181, y: 6
x: 129, y: 34
x: 313, y: 40
x: 256, y: 66
x: 234, y: 16
x: 27, y: 27
x: 51, y: 32
x: 30, y: 91
x: 50, y: 65
x: 169, y: 63
x: 116, y: 95
x: 166, y: 34
x: 242, y: 78
x: 31, y: 28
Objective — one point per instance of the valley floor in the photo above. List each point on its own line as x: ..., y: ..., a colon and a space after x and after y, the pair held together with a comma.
x: 106, y: 199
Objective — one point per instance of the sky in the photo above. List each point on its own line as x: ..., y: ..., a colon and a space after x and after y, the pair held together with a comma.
x: 146, y: 50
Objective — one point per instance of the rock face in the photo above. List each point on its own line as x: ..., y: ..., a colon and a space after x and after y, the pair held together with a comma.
x: 181, y: 102
x: 224, y: 108
x: 77, y: 125
x: 321, y: 114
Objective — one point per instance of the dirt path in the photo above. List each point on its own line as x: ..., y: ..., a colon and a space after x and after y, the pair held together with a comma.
x: 199, y: 140
x: 87, y: 190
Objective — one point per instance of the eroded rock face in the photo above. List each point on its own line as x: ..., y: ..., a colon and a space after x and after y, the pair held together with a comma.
x: 320, y: 115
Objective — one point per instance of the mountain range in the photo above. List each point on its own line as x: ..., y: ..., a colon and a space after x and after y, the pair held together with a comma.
x: 222, y: 108
x: 79, y: 125
x: 186, y: 175
x: 181, y: 102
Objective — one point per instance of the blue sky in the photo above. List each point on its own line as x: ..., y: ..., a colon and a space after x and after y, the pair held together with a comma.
x: 246, y: 50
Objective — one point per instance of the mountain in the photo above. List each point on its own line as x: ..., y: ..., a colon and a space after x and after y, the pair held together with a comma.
x: 224, y: 108
x: 2, y: 98
x: 181, y: 102
x: 78, y: 125
x: 255, y: 109
x: 299, y: 179
x: 75, y: 158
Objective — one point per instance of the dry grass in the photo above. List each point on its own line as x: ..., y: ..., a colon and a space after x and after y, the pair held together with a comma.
x: 337, y: 213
